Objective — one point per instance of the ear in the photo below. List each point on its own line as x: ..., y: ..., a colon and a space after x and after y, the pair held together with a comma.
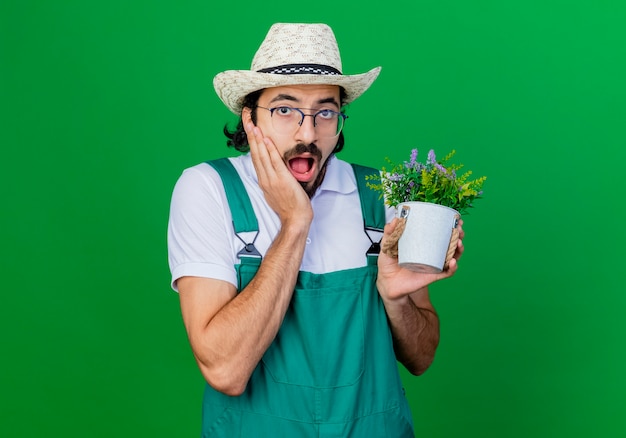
x: 246, y: 115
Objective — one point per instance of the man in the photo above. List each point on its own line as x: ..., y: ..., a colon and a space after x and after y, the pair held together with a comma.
x: 295, y: 320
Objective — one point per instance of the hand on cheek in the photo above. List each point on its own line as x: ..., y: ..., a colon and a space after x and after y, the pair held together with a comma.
x: 282, y: 192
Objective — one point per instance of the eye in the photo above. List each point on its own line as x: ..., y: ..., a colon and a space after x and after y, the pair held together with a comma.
x: 327, y: 114
x: 283, y: 110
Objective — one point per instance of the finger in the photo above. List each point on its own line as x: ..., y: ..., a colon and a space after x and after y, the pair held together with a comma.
x: 388, y: 231
x: 460, y: 248
x: 460, y: 229
x: 390, y: 227
x: 266, y: 153
x: 255, y: 139
x: 452, y: 268
x: 276, y: 159
x: 249, y: 128
x: 449, y: 271
x: 252, y: 132
x: 258, y: 151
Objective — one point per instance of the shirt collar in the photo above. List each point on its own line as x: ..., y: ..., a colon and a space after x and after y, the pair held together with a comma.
x: 339, y: 177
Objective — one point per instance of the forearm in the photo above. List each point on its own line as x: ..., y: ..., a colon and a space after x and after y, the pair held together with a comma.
x: 412, y: 317
x: 236, y: 338
x: 415, y: 330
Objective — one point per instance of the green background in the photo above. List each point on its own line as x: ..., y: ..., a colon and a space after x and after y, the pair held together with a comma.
x: 103, y: 103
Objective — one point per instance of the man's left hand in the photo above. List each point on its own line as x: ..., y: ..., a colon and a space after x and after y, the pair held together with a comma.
x: 395, y: 282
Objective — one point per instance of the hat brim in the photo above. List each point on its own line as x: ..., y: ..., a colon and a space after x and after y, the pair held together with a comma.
x: 233, y: 85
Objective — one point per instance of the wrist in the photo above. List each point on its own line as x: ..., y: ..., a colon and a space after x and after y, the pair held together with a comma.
x: 295, y: 230
x: 299, y: 223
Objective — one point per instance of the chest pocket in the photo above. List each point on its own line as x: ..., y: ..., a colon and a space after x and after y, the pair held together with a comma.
x: 321, y: 341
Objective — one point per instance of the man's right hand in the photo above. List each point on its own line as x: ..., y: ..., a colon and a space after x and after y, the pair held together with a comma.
x: 282, y: 191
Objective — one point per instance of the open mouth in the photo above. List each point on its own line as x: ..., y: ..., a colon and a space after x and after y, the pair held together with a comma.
x: 303, y: 167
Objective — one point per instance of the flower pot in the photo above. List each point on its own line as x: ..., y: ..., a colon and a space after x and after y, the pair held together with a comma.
x: 429, y: 238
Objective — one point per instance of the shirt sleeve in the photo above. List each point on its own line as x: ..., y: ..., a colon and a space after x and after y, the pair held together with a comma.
x: 200, y: 233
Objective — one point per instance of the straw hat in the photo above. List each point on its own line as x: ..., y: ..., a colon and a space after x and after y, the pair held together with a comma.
x: 292, y: 54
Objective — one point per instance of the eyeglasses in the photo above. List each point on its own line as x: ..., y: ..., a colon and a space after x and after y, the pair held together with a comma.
x: 287, y: 120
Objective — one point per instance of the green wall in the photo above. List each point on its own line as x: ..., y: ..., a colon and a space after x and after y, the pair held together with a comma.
x: 103, y: 103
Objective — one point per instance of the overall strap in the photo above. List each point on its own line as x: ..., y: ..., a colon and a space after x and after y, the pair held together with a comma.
x: 244, y: 219
x: 372, y: 205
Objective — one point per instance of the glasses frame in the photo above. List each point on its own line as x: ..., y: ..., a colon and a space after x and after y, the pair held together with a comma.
x: 339, y: 114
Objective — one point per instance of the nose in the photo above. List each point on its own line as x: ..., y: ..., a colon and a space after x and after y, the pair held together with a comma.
x: 306, y: 132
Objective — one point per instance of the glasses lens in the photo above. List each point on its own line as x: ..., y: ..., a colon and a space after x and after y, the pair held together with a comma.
x: 328, y: 123
x: 286, y: 119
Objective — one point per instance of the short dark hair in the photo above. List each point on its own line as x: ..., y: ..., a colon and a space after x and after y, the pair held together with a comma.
x: 239, y: 140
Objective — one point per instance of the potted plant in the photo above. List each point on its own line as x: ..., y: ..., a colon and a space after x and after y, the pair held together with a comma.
x: 430, y: 197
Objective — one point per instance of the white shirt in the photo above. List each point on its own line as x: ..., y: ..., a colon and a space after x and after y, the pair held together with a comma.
x: 201, y: 238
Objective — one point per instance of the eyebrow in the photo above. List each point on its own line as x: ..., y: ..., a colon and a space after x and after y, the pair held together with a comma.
x: 294, y: 99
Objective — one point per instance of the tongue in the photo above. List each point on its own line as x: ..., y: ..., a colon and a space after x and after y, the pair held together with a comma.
x: 300, y: 165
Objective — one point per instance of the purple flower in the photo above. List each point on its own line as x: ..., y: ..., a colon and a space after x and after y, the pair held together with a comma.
x: 431, y: 157
x: 440, y: 168
x: 411, y: 164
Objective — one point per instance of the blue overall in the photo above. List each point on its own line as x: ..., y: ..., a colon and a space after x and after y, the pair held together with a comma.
x: 331, y: 371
